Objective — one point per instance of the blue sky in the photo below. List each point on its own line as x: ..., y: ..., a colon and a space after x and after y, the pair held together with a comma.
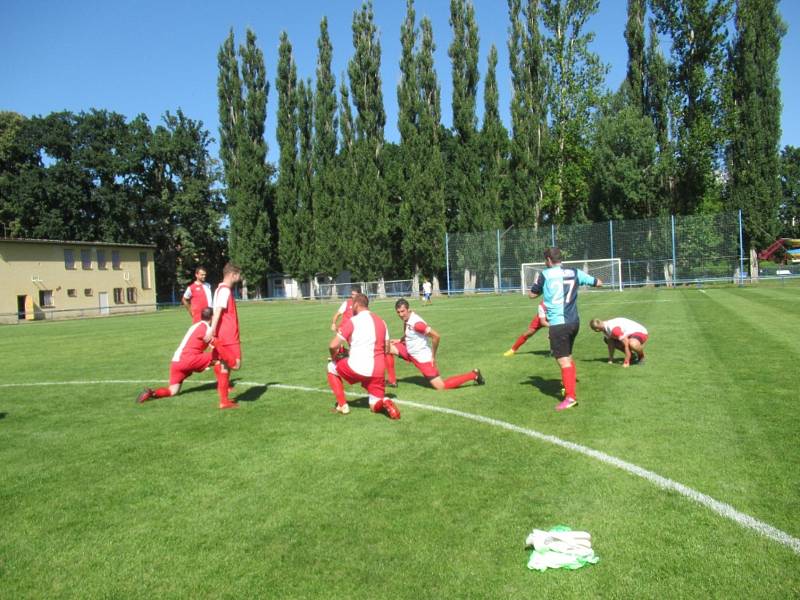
x: 151, y: 56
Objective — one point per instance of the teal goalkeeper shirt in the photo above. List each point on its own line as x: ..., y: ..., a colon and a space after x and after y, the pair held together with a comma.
x: 560, y: 290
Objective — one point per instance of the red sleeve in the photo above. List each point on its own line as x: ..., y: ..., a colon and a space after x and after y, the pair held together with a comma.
x: 617, y: 333
x: 346, y: 330
x: 421, y: 327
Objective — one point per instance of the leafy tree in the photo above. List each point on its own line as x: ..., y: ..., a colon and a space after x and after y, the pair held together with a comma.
x: 634, y: 37
x: 790, y: 191
x: 698, y: 32
x: 754, y: 161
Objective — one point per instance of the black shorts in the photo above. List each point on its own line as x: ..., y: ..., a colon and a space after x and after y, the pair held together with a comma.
x: 562, y: 337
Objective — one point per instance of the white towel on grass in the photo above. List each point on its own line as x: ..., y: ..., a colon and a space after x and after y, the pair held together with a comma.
x: 560, y: 548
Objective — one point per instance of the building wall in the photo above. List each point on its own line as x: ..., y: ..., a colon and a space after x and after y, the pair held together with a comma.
x: 38, y: 271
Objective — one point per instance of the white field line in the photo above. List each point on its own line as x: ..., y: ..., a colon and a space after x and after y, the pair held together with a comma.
x: 721, y: 508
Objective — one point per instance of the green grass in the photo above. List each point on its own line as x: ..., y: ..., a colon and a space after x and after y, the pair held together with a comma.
x: 102, y: 497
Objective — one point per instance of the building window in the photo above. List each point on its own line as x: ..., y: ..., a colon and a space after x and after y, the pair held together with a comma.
x: 117, y: 295
x: 131, y: 295
x: 86, y: 259
x: 87, y: 292
x: 72, y: 293
x: 115, y: 263
x: 145, y: 270
x: 101, y: 259
x: 46, y: 298
x: 69, y: 258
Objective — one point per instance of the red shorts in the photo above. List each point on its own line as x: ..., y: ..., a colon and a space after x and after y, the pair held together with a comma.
x: 375, y: 386
x: 428, y: 369
x: 230, y: 353
x: 642, y: 337
x: 178, y: 371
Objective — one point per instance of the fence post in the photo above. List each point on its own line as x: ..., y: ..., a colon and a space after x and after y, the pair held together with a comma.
x: 553, y: 234
x: 741, y: 250
x: 611, y: 238
x: 674, y: 264
x: 499, y: 272
x: 447, y: 259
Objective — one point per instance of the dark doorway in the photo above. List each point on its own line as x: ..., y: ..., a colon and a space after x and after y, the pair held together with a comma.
x: 21, y: 307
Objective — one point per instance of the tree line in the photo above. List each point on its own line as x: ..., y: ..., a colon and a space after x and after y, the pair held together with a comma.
x: 691, y: 130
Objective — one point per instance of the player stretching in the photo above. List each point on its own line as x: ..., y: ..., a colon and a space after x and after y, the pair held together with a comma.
x: 539, y: 321
x: 225, y: 331
x: 190, y: 357
x: 414, y: 348
x: 560, y: 289
x: 368, y: 338
x: 198, y: 295
x: 622, y: 334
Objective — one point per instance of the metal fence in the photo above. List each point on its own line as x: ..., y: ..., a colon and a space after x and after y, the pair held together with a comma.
x: 659, y: 251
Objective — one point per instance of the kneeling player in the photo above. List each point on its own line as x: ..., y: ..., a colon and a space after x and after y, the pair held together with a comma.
x: 368, y: 338
x: 414, y: 348
x: 625, y: 335
x: 190, y: 357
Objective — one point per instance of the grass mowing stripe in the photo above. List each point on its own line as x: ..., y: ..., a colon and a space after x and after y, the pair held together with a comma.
x: 721, y: 508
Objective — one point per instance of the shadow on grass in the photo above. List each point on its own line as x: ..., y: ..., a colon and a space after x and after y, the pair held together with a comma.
x: 3, y: 415
x: 416, y: 380
x: 253, y: 393
x: 549, y: 387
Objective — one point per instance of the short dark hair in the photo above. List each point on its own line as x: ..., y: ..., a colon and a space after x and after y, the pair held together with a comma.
x: 361, y: 299
x: 200, y: 268
x: 356, y: 288
x: 231, y: 268
x: 401, y: 302
x: 206, y: 313
x: 554, y: 254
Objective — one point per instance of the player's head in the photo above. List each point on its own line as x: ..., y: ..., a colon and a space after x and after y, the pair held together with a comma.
x: 200, y: 273
x: 360, y: 302
x: 596, y: 325
x: 231, y: 272
x: 552, y: 255
x: 354, y: 290
x: 402, y: 309
x: 206, y: 313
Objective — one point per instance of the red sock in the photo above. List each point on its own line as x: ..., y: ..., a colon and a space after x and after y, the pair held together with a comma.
x: 568, y: 379
x: 520, y: 340
x: 337, y: 387
x: 377, y: 407
x: 223, y: 383
x: 458, y: 380
x: 162, y: 393
x: 390, y: 372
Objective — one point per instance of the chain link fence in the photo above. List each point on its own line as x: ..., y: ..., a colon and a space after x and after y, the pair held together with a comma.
x: 658, y: 251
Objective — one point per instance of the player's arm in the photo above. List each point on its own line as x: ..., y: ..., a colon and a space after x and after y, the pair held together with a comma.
x: 537, y: 288
x: 611, y: 348
x: 186, y: 302
x: 435, y: 339
x: 335, y: 318
x: 334, y: 344
x: 212, y: 331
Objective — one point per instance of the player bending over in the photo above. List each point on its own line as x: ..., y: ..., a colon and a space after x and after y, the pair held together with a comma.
x: 190, y: 357
x: 368, y: 337
x: 622, y: 334
x: 539, y: 321
x: 414, y: 347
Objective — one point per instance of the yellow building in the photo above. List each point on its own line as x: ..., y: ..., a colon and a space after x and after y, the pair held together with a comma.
x: 50, y: 279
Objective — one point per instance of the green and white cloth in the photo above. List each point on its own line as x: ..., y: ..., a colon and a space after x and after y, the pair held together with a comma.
x: 560, y: 548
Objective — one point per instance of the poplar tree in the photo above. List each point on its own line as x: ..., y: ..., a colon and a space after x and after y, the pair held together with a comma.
x: 326, y: 214
x: 528, y: 117
x: 698, y: 32
x: 464, y: 188
x: 242, y: 115
x: 753, y: 153
x: 634, y: 37
x: 494, y: 148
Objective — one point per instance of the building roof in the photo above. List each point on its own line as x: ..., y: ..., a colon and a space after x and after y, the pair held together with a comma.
x: 75, y: 243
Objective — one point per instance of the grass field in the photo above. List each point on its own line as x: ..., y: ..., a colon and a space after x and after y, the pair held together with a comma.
x: 102, y: 497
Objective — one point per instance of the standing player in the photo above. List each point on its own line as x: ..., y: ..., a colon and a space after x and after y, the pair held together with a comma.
x: 539, y: 321
x: 225, y: 332
x: 622, y: 334
x: 198, y: 295
x: 414, y: 348
x: 368, y: 337
x: 427, y: 290
x: 190, y: 357
x: 560, y: 289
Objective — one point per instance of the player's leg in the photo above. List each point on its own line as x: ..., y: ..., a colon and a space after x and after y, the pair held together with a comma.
x: 378, y: 402
x: 636, y: 349
x: 458, y: 380
x: 391, y: 374
x: 561, y: 340
x: 534, y: 326
x: 176, y: 376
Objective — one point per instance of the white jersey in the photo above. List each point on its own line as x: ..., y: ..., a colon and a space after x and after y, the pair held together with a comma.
x: 416, y: 338
x: 195, y: 288
x: 367, y: 334
x: 427, y: 288
x: 620, y: 328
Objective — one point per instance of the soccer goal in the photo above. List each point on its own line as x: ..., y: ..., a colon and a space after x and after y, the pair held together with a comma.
x: 609, y: 270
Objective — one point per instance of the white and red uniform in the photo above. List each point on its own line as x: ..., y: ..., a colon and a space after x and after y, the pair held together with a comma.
x: 621, y: 328
x: 346, y: 310
x: 199, y: 294
x: 367, y: 335
x: 190, y: 357
x: 541, y: 314
x: 227, y: 338
x: 415, y: 347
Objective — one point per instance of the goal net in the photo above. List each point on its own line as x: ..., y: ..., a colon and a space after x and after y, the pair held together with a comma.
x: 609, y: 270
